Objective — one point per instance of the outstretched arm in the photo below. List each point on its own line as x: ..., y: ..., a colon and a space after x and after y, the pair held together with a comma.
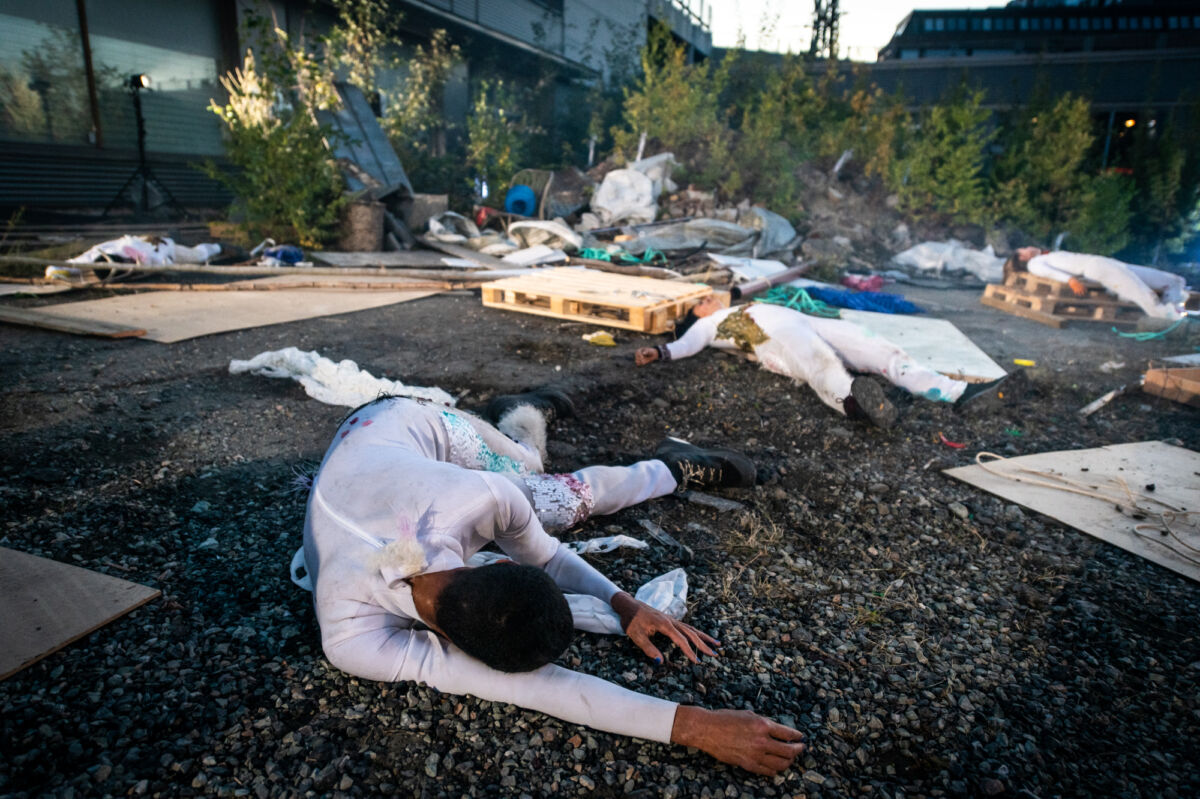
x: 739, y: 738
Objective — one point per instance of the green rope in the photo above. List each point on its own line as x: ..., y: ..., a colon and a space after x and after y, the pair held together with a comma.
x: 799, y: 300
x: 650, y: 256
x: 1147, y: 335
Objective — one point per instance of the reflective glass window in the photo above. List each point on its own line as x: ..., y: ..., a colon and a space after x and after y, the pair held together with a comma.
x: 43, y: 82
x: 178, y: 46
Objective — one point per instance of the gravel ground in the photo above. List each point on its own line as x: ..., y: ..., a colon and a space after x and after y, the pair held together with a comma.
x: 931, y: 640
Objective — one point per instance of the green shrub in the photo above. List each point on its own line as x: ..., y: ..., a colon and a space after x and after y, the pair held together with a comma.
x: 941, y: 173
x: 284, y: 180
x: 497, y: 135
x: 1102, y: 218
x: 1042, y: 182
x: 676, y: 104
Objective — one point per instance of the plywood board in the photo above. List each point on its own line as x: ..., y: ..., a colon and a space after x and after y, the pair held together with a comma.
x: 1173, y: 471
x: 933, y: 343
x: 46, y: 605
x: 169, y: 316
x: 7, y: 289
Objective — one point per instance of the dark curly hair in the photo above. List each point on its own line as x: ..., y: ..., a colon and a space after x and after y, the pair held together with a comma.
x: 513, y: 618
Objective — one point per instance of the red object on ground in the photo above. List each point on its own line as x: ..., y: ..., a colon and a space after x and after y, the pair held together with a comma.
x: 863, y: 282
x: 950, y: 443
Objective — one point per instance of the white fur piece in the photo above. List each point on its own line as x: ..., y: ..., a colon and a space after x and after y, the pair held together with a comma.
x: 404, y: 556
x: 526, y: 425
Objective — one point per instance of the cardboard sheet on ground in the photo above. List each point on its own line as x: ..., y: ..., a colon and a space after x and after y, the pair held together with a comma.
x: 170, y: 316
x: 1173, y: 471
x: 46, y: 605
x: 934, y: 343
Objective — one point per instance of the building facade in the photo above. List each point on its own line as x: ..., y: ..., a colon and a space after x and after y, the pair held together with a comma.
x: 68, y: 132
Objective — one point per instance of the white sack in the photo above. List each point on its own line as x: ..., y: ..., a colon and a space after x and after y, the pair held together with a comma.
x: 625, y: 197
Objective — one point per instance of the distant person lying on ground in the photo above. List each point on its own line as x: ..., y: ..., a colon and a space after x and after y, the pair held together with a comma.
x: 409, y: 491
x: 1132, y: 283
x: 818, y: 351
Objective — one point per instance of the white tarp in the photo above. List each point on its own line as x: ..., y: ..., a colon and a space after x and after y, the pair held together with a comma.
x: 953, y: 256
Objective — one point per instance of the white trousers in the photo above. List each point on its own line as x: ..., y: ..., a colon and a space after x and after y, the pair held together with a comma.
x: 818, y: 351
x: 561, y: 501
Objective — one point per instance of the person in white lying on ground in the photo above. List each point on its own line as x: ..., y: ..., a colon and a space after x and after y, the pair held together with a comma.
x: 1130, y: 282
x: 818, y: 351
x: 401, y: 501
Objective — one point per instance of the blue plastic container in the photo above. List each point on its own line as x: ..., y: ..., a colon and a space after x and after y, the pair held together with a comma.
x: 520, y: 200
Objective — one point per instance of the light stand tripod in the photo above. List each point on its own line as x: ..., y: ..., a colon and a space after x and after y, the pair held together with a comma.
x: 143, y: 172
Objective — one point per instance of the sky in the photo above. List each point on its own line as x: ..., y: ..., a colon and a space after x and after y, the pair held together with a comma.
x: 783, y: 25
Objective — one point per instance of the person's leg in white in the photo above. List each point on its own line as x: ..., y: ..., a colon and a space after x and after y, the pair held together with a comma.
x: 796, y: 351
x: 863, y: 351
x: 562, y: 501
x: 1172, y: 286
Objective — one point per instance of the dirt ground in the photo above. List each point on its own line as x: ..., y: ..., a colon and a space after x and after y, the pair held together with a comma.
x: 1050, y: 664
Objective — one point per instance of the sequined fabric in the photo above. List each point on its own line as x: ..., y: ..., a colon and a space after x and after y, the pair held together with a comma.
x: 560, y: 501
x: 469, y: 450
x: 743, y: 331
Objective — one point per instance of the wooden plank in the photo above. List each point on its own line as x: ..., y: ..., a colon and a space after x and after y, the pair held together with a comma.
x: 49, y: 320
x: 1017, y: 310
x: 46, y: 605
x: 1171, y: 470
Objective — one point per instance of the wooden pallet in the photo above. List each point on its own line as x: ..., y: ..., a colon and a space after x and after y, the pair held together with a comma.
x: 1052, y: 302
x: 587, y: 295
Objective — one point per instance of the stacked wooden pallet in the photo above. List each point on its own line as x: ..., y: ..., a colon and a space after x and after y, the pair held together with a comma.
x: 1053, y: 303
x: 586, y: 295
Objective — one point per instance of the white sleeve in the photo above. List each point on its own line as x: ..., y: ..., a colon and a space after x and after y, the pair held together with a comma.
x: 401, y: 654
x: 698, y: 336
x: 575, y: 575
x: 1041, y: 266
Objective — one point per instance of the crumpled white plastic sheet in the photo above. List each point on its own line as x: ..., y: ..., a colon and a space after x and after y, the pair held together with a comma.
x: 953, y: 256
x: 333, y: 383
x: 159, y: 252
x: 606, y: 544
x: 666, y: 593
x: 625, y: 196
x: 551, y: 232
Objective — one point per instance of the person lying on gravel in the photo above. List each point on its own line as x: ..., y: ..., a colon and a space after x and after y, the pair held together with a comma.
x: 818, y: 351
x: 408, y: 491
x: 1132, y: 283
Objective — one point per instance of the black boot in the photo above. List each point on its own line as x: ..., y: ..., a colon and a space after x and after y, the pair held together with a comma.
x: 1001, y: 391
x: 697, y: 466
x: 552, y: 402
x: 868, y: 403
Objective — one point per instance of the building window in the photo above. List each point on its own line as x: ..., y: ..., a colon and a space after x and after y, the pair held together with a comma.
x: 178, y: 46
x: 939, y: 24
x: 43, y: 80
x: 987, y: 23
x: 1172, y: 22
x: 975, y: 24
x: 1145, y: 23
x: 1133, y: 23
x: 928, y: 25
x: 1108, y: 23
x: 1035, y: 24
x: 1122, y: 24
x: 1158, y: 23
